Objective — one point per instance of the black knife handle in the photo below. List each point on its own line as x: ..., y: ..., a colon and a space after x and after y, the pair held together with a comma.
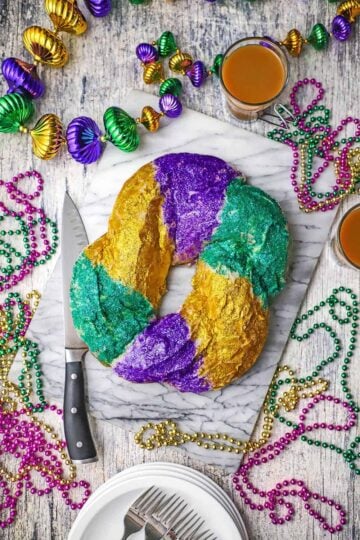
x: 78, y: 436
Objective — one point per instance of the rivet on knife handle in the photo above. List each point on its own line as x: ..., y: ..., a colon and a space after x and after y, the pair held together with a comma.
x: 78, y: 435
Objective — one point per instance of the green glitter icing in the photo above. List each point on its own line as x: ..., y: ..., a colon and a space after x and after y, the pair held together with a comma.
x: 106, y: 313
x: 251, y: 240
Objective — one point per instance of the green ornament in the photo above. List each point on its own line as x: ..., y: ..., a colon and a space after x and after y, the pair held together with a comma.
x: 171, y: 86
x: 218, y: 60
x: 137, y: 2
x: 319, y: 37
x: 15, y: 109
x: 166, y: 44
x: 121, y: 129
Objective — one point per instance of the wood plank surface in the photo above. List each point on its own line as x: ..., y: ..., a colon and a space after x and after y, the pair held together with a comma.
x: 101, y: 71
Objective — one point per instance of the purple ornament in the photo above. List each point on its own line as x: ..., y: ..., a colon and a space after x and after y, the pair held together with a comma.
x: 170, y: 105
x: 22, y: 77
x: 341, y: 28
x: 83, y: 140
x: 147, y: 53
x: 99, y: 8
x: 197, y: 73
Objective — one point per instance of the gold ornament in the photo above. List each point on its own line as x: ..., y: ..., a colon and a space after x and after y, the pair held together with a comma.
x: 180, y: 62
x: 153, y: 73
x: 66, y: 16
x: 45, y: 46
x: 150, y: 118
x: 47, y: 136
x: 293, y: 42
x: 349, y: 9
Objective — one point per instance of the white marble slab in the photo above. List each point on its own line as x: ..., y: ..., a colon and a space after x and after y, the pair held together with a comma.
x: 234, y: 409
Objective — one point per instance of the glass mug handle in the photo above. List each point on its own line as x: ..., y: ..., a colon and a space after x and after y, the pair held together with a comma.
x: 336, y: 251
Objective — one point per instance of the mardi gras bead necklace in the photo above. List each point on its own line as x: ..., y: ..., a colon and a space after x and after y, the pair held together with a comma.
x: 28, y: 237
x: 319, y: 37
x: 32, y: 443
x: 14, y: 326
x: 311, y: 386
x: 271, y: 500
x: 86, y: 141
x: 84, y: 138
x: 310, y: 135
x: 47, y: 48
x: 167, y: 433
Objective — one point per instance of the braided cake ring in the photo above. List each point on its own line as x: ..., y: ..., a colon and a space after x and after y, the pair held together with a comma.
x: 177, y: 209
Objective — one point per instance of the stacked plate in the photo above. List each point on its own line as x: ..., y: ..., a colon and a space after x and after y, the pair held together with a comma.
x: 102, y: 516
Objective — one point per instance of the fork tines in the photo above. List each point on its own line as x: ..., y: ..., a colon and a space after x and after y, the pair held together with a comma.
x: 206, y: 535
x: 170, y: 514
x: 148, y: 500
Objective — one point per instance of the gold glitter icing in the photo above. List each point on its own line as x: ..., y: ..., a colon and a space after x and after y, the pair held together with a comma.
x: 137, y: 249
x: 227, y: 322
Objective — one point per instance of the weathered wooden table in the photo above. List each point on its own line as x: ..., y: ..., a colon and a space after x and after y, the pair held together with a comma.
x: 101, y: 70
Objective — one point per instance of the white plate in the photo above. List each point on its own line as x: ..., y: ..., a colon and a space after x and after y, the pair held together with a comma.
x: 102, y: 516
x: 228, y: 509
x: 179, y: 471
x: 182, y: 471
x: 106, y: 515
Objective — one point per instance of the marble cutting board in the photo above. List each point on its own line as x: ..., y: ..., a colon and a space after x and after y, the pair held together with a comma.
x: 235, y: 409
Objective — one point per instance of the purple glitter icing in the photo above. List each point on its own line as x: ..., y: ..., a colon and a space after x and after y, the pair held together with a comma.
x: 164, y: 347
x: 194, y: 187
x: 188, y: 380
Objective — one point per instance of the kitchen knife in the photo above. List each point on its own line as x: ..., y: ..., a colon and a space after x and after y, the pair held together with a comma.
x: 78, y: 436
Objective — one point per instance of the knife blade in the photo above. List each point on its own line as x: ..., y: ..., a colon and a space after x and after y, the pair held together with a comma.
x: 77, y: 430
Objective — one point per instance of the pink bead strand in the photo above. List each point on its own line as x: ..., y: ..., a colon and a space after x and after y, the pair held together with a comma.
x: 35, y: 454
x: 278, y: 496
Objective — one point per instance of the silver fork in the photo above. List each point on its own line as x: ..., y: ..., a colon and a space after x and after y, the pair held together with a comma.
x: 184, y: 527
x: 158, y: 525
x: 190, y: 525
x: 134, y: 519
x: 166, y: 517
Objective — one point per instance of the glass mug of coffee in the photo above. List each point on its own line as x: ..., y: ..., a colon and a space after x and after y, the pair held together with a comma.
x: 253, y: 74
x: 346, y: 243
